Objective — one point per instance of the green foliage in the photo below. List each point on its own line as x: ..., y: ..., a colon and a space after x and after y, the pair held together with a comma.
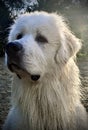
x: 5, y: 21
x: 17, y: 4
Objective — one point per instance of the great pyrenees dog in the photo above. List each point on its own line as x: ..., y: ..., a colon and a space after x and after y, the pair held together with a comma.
x: 46, y: 86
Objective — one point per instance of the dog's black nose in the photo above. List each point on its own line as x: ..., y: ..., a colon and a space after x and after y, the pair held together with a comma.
x: 13, y: 48
x: 35, y: 77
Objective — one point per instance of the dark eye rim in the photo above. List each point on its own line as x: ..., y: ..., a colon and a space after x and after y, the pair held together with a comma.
x: 19, y: 36
x: 41, y: 39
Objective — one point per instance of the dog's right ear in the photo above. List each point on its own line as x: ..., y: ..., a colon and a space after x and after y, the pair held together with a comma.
x: 69, y: 47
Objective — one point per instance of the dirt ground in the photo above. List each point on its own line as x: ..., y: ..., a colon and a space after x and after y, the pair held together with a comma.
x: 6, y: 79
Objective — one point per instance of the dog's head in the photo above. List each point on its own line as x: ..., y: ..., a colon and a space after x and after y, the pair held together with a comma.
x: 37, y: 43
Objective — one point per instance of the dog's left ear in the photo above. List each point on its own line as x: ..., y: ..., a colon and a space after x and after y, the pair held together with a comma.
x: 69, y: 47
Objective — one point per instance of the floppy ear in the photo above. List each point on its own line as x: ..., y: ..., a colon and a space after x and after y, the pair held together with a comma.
x: 70, y: 45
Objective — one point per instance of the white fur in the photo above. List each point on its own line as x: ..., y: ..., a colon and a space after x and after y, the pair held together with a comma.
x: 53, y: 102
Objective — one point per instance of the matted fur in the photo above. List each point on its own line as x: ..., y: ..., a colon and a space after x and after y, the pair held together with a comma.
x: 52, y: 102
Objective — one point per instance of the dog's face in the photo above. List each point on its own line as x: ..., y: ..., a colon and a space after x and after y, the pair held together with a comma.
x: 37, y: 42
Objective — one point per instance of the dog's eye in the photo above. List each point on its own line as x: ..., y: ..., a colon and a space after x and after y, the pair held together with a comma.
x: 19, y: 36
x: 41, y: 39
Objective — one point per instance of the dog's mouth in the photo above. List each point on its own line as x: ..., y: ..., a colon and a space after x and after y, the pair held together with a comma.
x: 13, y: 66
x: 22, y: 73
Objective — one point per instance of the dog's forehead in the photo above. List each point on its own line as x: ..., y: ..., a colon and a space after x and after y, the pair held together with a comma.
x: 35, y: 20
x: 44, y: 23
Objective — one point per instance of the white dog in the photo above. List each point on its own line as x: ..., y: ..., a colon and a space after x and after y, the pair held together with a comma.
x: 46, y: 86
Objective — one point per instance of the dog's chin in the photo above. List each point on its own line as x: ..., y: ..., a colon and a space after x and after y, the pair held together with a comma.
x: 22, y: 73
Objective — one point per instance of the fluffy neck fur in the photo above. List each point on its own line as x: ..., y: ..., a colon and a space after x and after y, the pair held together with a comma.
x: 50, y: 104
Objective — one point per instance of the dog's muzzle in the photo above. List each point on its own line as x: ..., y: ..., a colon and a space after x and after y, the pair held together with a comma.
x: 14, y: 55
x: 14, y: 52
x: 13, y: 48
